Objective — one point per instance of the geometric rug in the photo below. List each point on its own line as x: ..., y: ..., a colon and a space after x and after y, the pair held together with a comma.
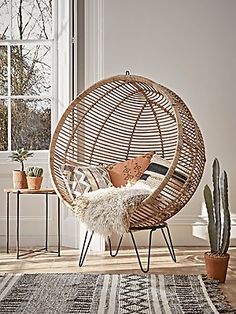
x: 108, y: 294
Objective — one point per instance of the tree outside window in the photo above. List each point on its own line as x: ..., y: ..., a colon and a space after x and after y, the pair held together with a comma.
x: 26, y: 54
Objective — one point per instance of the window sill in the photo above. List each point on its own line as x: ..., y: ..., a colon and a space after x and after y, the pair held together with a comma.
x: 39, y: 157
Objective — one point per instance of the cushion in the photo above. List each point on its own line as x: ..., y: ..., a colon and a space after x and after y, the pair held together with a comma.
x: 81, y: 179
x: 129, y: 170
x: 156, y: 171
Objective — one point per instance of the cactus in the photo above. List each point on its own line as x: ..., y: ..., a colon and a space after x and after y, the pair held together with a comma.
x: 218, y: 208
x: 30, y: 171
x: 38, y: 172
x: 34, y: 172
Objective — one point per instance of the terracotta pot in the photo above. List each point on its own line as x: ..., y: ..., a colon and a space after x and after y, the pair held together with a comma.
x: 216, y: 266
x: 19, y: 179
x: 34, y: 183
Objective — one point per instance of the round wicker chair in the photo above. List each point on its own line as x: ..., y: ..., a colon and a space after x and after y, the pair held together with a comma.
x: 125, y: 116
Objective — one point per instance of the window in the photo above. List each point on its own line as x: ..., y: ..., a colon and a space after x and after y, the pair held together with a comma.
x: 27, y: 46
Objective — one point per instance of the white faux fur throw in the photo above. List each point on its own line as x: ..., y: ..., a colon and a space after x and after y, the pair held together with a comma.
x: 107, y: 211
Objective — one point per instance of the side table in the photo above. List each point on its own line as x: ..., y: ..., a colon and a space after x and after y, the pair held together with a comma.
x: 20, y: 192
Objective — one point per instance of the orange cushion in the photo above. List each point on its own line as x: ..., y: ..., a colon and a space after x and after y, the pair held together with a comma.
x: 129, y: 170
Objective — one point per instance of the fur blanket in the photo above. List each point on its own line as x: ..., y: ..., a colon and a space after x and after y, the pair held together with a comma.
x: 107, y: 211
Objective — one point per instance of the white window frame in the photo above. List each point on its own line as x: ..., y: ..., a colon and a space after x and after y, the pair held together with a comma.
x: 40, y: 155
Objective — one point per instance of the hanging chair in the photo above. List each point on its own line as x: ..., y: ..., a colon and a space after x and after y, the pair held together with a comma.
x: 120, y: 118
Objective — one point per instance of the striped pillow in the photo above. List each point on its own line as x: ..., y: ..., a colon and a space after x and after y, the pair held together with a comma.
x: 156, y: 171
x: 81, y: 179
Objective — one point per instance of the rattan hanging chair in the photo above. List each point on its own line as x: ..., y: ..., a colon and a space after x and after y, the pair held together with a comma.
x: 125, y: 116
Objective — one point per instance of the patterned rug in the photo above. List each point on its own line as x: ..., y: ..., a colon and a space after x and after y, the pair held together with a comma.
x: 96, y: 293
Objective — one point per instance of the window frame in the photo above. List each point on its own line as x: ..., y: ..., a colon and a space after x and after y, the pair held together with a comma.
x: 41, y: 155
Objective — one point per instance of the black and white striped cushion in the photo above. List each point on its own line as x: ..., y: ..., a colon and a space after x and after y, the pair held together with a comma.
x: 156, y: 171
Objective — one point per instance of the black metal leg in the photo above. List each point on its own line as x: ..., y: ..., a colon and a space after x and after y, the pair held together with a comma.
x: 8, y: 205
x: 169, y: 243
x: 85, y: 248
x: 59, y: 226
x: 17, y: 224
x: 18, y: 250
x: 118, y: 247
x: 46, y: 237
x: 149, y: 251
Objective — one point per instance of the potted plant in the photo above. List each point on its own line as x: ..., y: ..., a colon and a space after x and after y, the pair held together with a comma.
x: 19, y: 176
x: 219, y: 224
x: 34, y: 178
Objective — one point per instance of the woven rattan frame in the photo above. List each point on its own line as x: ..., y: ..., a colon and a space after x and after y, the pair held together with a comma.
x: 125, y: 116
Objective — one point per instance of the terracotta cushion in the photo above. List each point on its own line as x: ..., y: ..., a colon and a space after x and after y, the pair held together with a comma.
x: 129, y: 170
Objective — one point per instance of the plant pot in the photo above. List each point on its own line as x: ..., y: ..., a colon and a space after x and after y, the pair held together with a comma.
x: 216, y: 266
x: 34, y: 183
x: 19, y: 179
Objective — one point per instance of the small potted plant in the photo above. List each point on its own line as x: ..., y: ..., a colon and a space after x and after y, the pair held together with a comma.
x: 219, y: 225
x: 34, y: 178
x: 19, y: 176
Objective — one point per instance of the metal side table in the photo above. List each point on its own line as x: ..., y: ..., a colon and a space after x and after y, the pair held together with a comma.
x: 19, y: 193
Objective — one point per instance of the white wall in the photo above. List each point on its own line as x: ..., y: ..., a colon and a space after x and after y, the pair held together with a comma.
x: 189, y: 46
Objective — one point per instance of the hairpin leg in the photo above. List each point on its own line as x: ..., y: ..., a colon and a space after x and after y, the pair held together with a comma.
x: 169, y: 243
x: 149, y: 251
x: 85, y: 248
x: 118, y: 247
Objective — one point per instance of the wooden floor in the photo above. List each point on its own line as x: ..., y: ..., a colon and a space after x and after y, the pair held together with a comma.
x: 189, y: 261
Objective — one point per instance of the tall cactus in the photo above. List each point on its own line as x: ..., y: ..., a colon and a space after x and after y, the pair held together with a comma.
x: 219, y: 241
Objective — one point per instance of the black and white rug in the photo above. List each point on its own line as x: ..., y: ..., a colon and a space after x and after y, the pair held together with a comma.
x: 108, y: 294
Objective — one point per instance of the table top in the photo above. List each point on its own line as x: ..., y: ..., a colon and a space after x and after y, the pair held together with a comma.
x: 28, y: 191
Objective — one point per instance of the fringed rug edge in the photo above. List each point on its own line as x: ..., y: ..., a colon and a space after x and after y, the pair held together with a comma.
x: 217, y: 296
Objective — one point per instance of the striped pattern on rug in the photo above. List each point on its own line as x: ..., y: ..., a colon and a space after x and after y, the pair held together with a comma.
x: 108, y: 294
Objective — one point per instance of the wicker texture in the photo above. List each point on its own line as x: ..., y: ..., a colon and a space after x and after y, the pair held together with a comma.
x: 126, y: 116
